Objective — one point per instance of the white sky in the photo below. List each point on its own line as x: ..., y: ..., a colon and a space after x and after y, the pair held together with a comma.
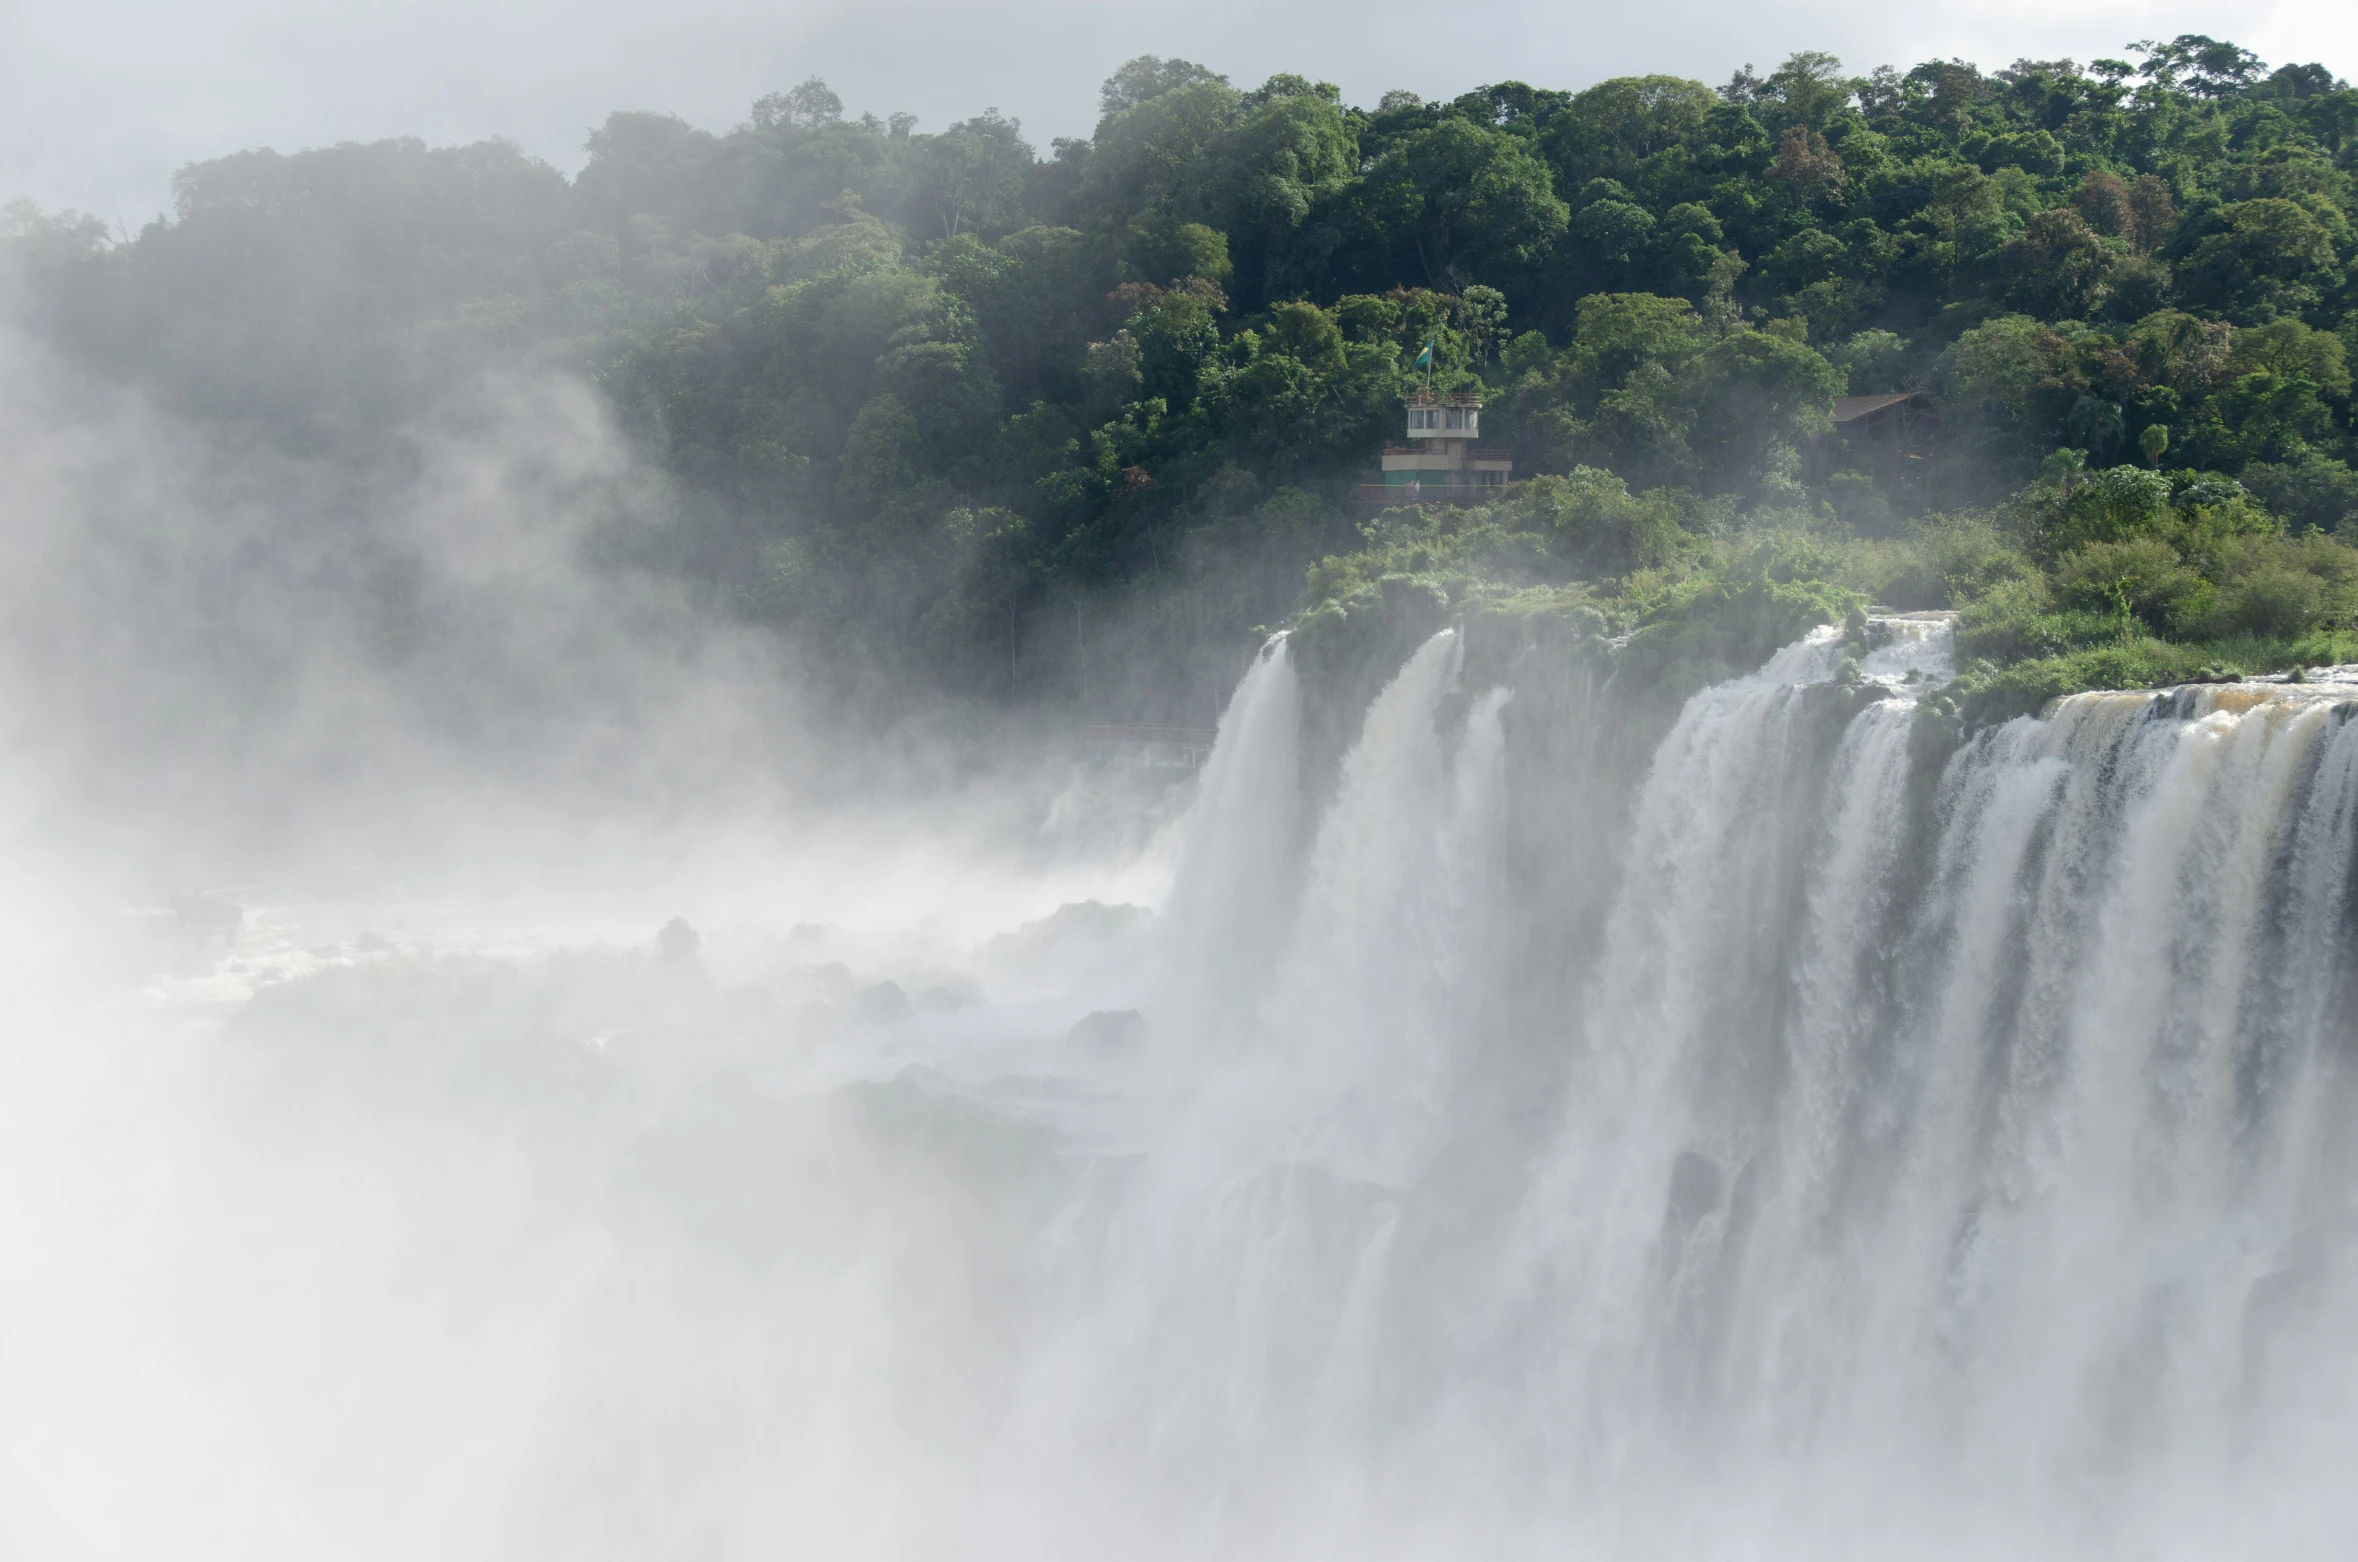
x: 101, y: 99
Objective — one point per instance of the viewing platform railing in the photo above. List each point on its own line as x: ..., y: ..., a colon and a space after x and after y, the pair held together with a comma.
x: 1473, y: 452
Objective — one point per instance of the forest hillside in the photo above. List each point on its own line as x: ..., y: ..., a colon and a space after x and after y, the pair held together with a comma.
x: 1066, y: 426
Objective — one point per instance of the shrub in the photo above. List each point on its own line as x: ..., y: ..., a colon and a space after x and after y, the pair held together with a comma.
x: 2113, y: 506
x: 1755, y: 596
x: 2272, y: 601
x: 1596, y: 524
x: 1989, y: 694
x: 2142, y: 578
x: 2017, y: 620
x: 2314, y: 490
x: 1969, y: 556
x: 2278, y: 588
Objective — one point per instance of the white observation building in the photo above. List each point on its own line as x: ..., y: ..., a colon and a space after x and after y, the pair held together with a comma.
x: 1442, y: 463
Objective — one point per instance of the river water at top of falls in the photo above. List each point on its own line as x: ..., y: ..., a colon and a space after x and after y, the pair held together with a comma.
x: 1923, y: 1152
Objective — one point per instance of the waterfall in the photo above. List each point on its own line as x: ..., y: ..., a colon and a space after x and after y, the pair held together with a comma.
x: 1247, y: 1270
x: 1803, y: 1129
x: 1383, y: 973
x: 1232, y: 896
x: 1966, y: 1113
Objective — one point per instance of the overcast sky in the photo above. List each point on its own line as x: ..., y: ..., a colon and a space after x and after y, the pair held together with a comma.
x: 101, y: 99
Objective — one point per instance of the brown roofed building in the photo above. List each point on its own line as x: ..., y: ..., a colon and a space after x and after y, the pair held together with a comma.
x: 1884, y: 436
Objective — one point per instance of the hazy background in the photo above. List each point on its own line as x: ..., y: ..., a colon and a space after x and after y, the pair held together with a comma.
x: 100, y: 101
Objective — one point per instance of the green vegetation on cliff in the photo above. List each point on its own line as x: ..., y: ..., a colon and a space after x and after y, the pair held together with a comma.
x: 1067, y: 427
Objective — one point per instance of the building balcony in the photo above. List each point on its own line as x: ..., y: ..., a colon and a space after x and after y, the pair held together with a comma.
x: 1470, y: 452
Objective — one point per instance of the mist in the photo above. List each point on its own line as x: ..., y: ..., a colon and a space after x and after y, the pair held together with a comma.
x: 765, y: 851
x: 372, y: 731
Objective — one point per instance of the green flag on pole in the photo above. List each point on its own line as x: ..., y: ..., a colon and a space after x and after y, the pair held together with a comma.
x: 1424, y: 360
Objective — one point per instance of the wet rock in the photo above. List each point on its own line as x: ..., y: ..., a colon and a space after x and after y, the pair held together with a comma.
x: 1109, y: 1030
x: 1076, y: 946
x: 884, y: 1003
x: 678, y: 942
x: 201, y: 916
x: 835, y: 981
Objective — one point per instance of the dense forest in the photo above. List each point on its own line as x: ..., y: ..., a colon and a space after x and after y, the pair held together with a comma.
x: 1066, y: 429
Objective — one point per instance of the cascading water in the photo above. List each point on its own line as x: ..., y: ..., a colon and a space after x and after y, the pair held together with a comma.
x: 1232, y: 898
x: 1903, y: 1148
x: 1969, y: 1129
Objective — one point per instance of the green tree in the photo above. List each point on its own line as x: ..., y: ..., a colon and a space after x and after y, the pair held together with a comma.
x: 1291, y: 149
x: 805, y: 106
x: 1616, y: 128
x: 2290, y: 349
x: 2057, y: 268
x: 1616, y: 332
x: 1465, y: 201
x: 971, y: 177
x: 1754, y: 392
x: 1809, y: 87
x: 1148, y: 77
x: 2255, y: 257
x: 1165, y: 156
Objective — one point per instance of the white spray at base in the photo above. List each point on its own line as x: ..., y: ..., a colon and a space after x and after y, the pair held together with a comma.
x: 1939, y: 1154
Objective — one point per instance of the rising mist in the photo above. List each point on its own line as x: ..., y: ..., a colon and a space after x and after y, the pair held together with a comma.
x: 627, y: 934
